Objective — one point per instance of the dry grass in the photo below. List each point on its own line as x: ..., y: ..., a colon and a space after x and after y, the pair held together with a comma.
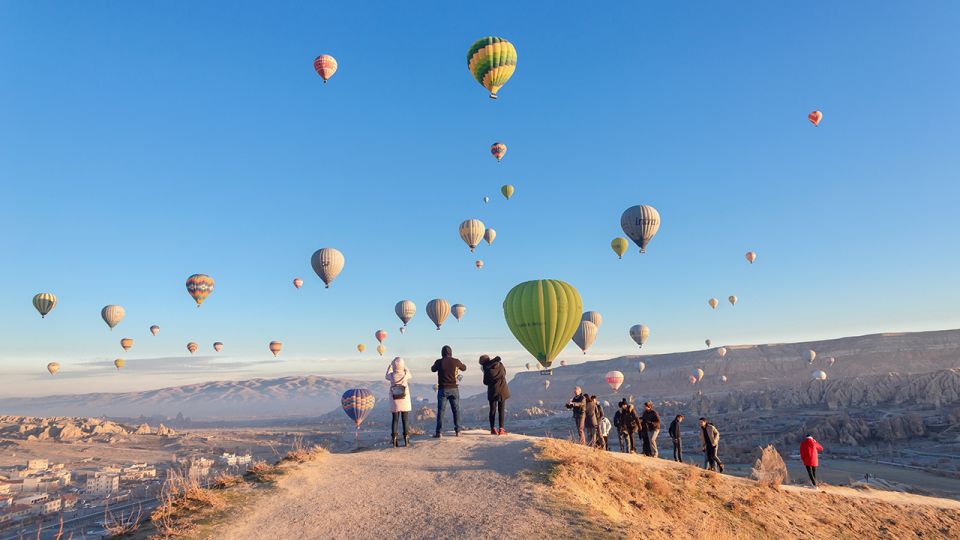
x: 225, y: 481
x: 182, y: 503
x: 634, y: 497
x: 261, y: 472
x: 770, y: 470
x: 299, y: 453
x: 123, y: 524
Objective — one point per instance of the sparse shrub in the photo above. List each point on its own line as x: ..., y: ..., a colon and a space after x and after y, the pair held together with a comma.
x: 182, y: 499
x: 123, y: 524
x: 259, y: 471
x: 658, y: 485
x: 415, y: 431
x: 770, y: 470
x: 301, y: 454
x: 225, y: 480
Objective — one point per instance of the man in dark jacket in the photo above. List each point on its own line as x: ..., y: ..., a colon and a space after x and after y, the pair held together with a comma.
x: 447, y: 368
x: 591, y: 420
x: 619, y: 423
x: 711, y: 444
x: 577, y: 403
x: 495, y: 377
x: 675, y: 436
x: 630, y: 424
x: 651, y: 429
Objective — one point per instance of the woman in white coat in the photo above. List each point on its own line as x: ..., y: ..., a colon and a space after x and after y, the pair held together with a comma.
x: 399, y: 377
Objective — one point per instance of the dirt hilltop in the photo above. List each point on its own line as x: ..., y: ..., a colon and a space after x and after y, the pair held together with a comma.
x: 483, y: 486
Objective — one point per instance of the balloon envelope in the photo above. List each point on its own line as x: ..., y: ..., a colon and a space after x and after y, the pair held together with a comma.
x: 126, y: 343
x: 713, y: 302
x: 543, y: 315
x: 154, y: 329
x: 619, y: 246
x: 721, y: 352
x: 751, y: 256
x: 479, y: 264
x: 217, y: 346
x: 585, y: 335
x: 614, y: 379
x: 119, y: 363
x: 641, y: 366
x: 471, y: 232
x: 357, y: 403
x: 489, y: 235
x: 708, y: 342
x: 405, y: 310
x: 438, y: 309
x: 361, y: 347
x: 698, y: 373
x: 112, y: 315
x: 53, y: 368
x: 192, y: 347
x: 693, y: 380
x: 380, y: 335
x: 815, y: 117
x: 594, y: 317
x: 275, y: 347
x: 297, y: 282
x: 810, y: 356
x: 199, y: 287
x: 381, y: 349
x: 498, y: 149
x: 819, y: 375
x: 640, y: 223
x: 44, y: 303
x: 458, y: 310
x: 732, y: 299
x: 326, y: 66
x: 507, y: 191
x: 639, y: 333
x: 492, y: 61
x: 327, y: 263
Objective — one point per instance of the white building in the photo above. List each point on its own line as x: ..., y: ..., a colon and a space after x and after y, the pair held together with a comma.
x: 103, y: 484
x: 235, y: 459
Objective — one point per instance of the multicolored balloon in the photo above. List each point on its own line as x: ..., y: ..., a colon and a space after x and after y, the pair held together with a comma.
x: 489, y: 235
x: 217, y: 346
x: 471, y: 232
x: 732, y: 299
x: 119, y: 363
x: 507, y: 191
x: 192, y: 347
x: 639, y: 334
x: 713, y: 302
x: 498, y: 149
x: 275, y: 347
x: 478, y: 264
x: 542, y: 315
x: 641, y: 366
x: 492, y: 61
x: 438, y: 309
x: 486, y: 200
x: 810, y: 356
x: 297, y: 282
x: 640, y: 223
x: 405, y: 310
x: 126, y: 343
x: 380, y: 335
x: 199, y: 286
x: 361, y: 347
x: 112, y: 315
x: 458, y: 310
x: 815, y: 117
x: 563, y: 363
x: 614, y: 379
x: 619, y: 246
x: 592, y: 316
x: 721, y: 352
x: 585, y: 335
x: 381, y: 349
x: 698, y: 373
x: 693, y: 380
x: 154, y: 329
x: 546, y: 384
x: 44, y: 303
x: 326, y: 66
x: 751, y: 256
x: 53, y: 368
x: 357, y: 403
x: 327, y: 263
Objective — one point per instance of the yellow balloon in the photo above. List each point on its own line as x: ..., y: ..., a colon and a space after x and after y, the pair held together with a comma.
x: 619, y: 246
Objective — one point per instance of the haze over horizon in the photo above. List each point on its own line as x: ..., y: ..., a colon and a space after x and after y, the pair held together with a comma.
x: 149, y: 143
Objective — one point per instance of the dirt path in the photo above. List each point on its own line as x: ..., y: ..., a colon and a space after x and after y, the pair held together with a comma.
x: 474, y: 486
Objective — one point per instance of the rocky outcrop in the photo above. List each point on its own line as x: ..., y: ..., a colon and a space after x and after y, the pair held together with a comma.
x: 164, y: 431
x: 144, y: 429
x: 65, y: 429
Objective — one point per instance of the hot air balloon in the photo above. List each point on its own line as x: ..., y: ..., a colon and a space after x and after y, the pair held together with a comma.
x: 810, y: 356
x: 126, y: 343
x: 44, y: 303
x: 698, y: 373
x: 708, y: 342
x: 478, y: 264
x: 614, y: 379
x: 819, y: 375
x: 498, y: 149
x: 112, y: 315
x: 815, y: 117
x: 154, y: 329
x: 380, y: 335
x: 458, y: 310
x: 192, y: 347
x: 592, y: 316
x: 381, y: 349
x: 721, y: 352
x: 489, y: 235
x: 540, y: 403
x: 639, y: 333
x: 713, y: 303
x: 546, y: 384
x: 217, y: 346
x: 507, y: 191
x: 542, y: 315
x: 585, y: 335
x: 326, y: 66
x: 641, y: 366
x: 405, y: 310
x: 361, y: 347
x: 486, y: 200
x: 471, y: 232
x: 619, y: 246
x: 693, y: 380
x: 119, y: 363
x: 199, y: 286
x: 751, y: 256
x: 403, y: 329
x: 640, y: 223
x: 831, y: 360
x: 297, y: 282
x: 492, y: 61
x: 53, y: 368
x: 438, y: 309
x: 563, y: 363
x: 732, y: 299
x: 723, y: 378
x: 327, y: 263
x: 460, y: 377
x: 275, y: 347
x: 527, y: 366
x: 357, y: 403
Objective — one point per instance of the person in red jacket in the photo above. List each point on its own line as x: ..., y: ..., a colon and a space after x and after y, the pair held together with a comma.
x: 809, y: 449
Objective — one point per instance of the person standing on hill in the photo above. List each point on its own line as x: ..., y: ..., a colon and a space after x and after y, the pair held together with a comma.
x: 447, y: 368
x: 495, y: 377
x: 630, y: 424
x: 675, y: 437
x: 577, y: 403
x: 619, y: 423
x: 600, y: 418
x: 591, y: 420
x: 711, y: 444
x: 651, y: 429
x: 400, y: 405
x: 809, y: 449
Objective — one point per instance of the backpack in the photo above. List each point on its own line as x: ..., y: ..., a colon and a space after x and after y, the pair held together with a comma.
x: 398, y: 391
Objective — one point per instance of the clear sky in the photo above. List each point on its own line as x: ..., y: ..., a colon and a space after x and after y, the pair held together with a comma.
x: 144, y: 142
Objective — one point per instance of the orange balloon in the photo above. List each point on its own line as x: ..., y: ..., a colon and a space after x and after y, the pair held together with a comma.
x: 815, y: 117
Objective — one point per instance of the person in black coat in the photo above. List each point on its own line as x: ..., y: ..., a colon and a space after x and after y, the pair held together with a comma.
x: 675, y: 436
x: 447, y: 368
x: 495, y: 377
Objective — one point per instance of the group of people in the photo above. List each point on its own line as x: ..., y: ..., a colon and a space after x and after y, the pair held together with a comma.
x: 592, y: 425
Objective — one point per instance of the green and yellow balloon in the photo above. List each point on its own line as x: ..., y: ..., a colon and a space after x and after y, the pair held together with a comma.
x: 543, y: 315
x: 492, y: 61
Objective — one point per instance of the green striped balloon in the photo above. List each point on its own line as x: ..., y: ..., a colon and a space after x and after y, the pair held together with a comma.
x: 543, y: 315
x: 492, y: 61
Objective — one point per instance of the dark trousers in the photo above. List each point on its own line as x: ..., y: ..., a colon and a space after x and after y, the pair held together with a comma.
x: 677, y: 450
x: 397, y: 417
x: 590, y: 434
x: 496, y: 406
x: 812, y: 473
x: 645, y: 436
x: 626, y: 441
x: 579, y: 419
x: 453, y: 396
x: 712, y: 459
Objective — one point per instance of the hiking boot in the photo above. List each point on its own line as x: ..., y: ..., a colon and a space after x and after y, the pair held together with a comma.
x: 406, y: 440
x: 493, y: 432
x: 503, y: 431
x: 458, y: 434
x: 436, y: 435
x: 720, y: 466
x: 394, y: 441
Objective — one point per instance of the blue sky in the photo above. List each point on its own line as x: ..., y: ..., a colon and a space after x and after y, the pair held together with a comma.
x: 142, y: 143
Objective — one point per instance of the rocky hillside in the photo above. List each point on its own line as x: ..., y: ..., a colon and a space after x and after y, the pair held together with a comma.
x: 68, y: 429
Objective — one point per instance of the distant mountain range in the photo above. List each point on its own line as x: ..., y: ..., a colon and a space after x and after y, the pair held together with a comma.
x: 747, y: 368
